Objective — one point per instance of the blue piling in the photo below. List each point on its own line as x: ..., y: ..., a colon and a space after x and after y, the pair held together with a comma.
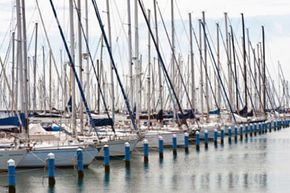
x: 275, y: 125
x: 127, y: 154
x: 51, y: 169
x: 246, y: 130
x: 11, y: 176
x: 206, y: 139
x: 241, y: 132
x: 186, y: 142
x: 197, y: 140
x: 270, y: 126
x: 146, y: 150
x: 236, y: 134
x: 215, y: 137
x: 80, y: 163
x: 230, y: 135
x: 251, y: 130
x: 255, y: 129
x: 107, y: 158
x: 222, y: 135
x: 174, y: 144
x: 161, y: 147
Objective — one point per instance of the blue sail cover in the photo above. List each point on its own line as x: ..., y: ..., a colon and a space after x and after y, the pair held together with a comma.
x: 214, y: 112
x: 102, y: 122
x: 13, y: 121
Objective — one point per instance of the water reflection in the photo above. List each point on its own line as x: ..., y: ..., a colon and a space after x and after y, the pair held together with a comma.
x: 106, y: 178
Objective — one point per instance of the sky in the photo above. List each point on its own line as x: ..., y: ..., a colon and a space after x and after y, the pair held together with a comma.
x: 273, y: 14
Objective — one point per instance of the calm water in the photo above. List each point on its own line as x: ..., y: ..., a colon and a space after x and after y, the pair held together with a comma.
x: 261, y: 164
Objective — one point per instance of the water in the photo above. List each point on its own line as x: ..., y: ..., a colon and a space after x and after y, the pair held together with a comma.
x: 260, y: 164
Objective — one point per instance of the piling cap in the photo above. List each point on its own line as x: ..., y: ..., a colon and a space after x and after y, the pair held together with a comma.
x: 51, y: 156
x: 174, y: 135
x: 79, y: 149
x: 186, y: 134
x: 11, y: 162
x: 206, y: 131
x: 160, y: 137
x: 222, y: 128
x: 127, y: 144
x: 106, y: 145
x: 197, y: 132
x: 145, y: 141
x: 215, y: 130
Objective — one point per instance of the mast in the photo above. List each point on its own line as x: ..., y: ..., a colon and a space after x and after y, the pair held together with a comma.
x: 158, y: 62
x: 34, y: 68
x: 80, y: 65
x: 72, y: 51
x: 192, y: 65
x: 174, y: 80
x: 235, y: 69
x: 137, y: 67
x: 87, y: 51
x: 205, y: 67
x: 13, y: 107
x: 264, y: 68
x: 43, y: 68
x: 218, y: 67
x: 228, y: 62
x: 111, y: 65
x: 245, y: 61
x: 25, y: 65
x: 201, y: 67
x: 149, y: 71
x: 50, y: 82
x: 131, y: 90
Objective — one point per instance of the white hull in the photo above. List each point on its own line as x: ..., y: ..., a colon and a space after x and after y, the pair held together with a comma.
x: 6, y: 154
x: 117, y: 148
x: 65, y: 156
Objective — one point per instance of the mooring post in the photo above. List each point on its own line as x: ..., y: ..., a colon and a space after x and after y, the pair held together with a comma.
x: 197, y: 140
x: 222, y: 135
x: 51, y: 169
x: 146, y: 150
x: 174, y: 144
x: 186, y: 142
x: 229, y: 135
x: 161, y: 147
x: 107, y: 158
x: 80, y: 163
x: 11, y: 176
x: 206, y: 139
x: 215, y: 137
x: 127, y: 154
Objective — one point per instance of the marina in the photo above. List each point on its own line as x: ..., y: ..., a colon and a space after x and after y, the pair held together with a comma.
x: 143, y: 96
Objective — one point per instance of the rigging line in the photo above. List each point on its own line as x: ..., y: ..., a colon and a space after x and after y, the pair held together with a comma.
x: 91, y: 59
x: 161, y: 60
x: 73, y: 66
x: 182, y: 21
x: 113, y: 64
x: 216, y: 68
x: 174, y: 57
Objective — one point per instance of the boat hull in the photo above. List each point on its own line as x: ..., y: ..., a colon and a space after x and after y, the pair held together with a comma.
x: 6, y: 154
x: 64, y: 156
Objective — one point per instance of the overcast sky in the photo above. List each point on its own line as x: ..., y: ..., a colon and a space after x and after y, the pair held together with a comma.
x: 273, y: 14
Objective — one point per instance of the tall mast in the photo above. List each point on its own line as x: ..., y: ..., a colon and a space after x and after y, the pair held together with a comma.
x: 158, y: 60
x: 245, y: 61
x: 111, y: 65
x: 228, y: 62
x: 201, y: 68
x: 192, y: 66
x: 218, y: 67
x: 13, y: 106
x: 43, y: 82
x: 174, y: 80
x: 205, y: 66
x: 34, y: 68
x: 87, y: 51
x: 137, y: 66
x: 264, y: 69
x: 19, y: 58
x: 149, y: 71
x: 25, y: 64
x: 80, y: 65
x: 131, y: 90
x: 50, y: 82
x: 235, y: 69
x: 72, y: 51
